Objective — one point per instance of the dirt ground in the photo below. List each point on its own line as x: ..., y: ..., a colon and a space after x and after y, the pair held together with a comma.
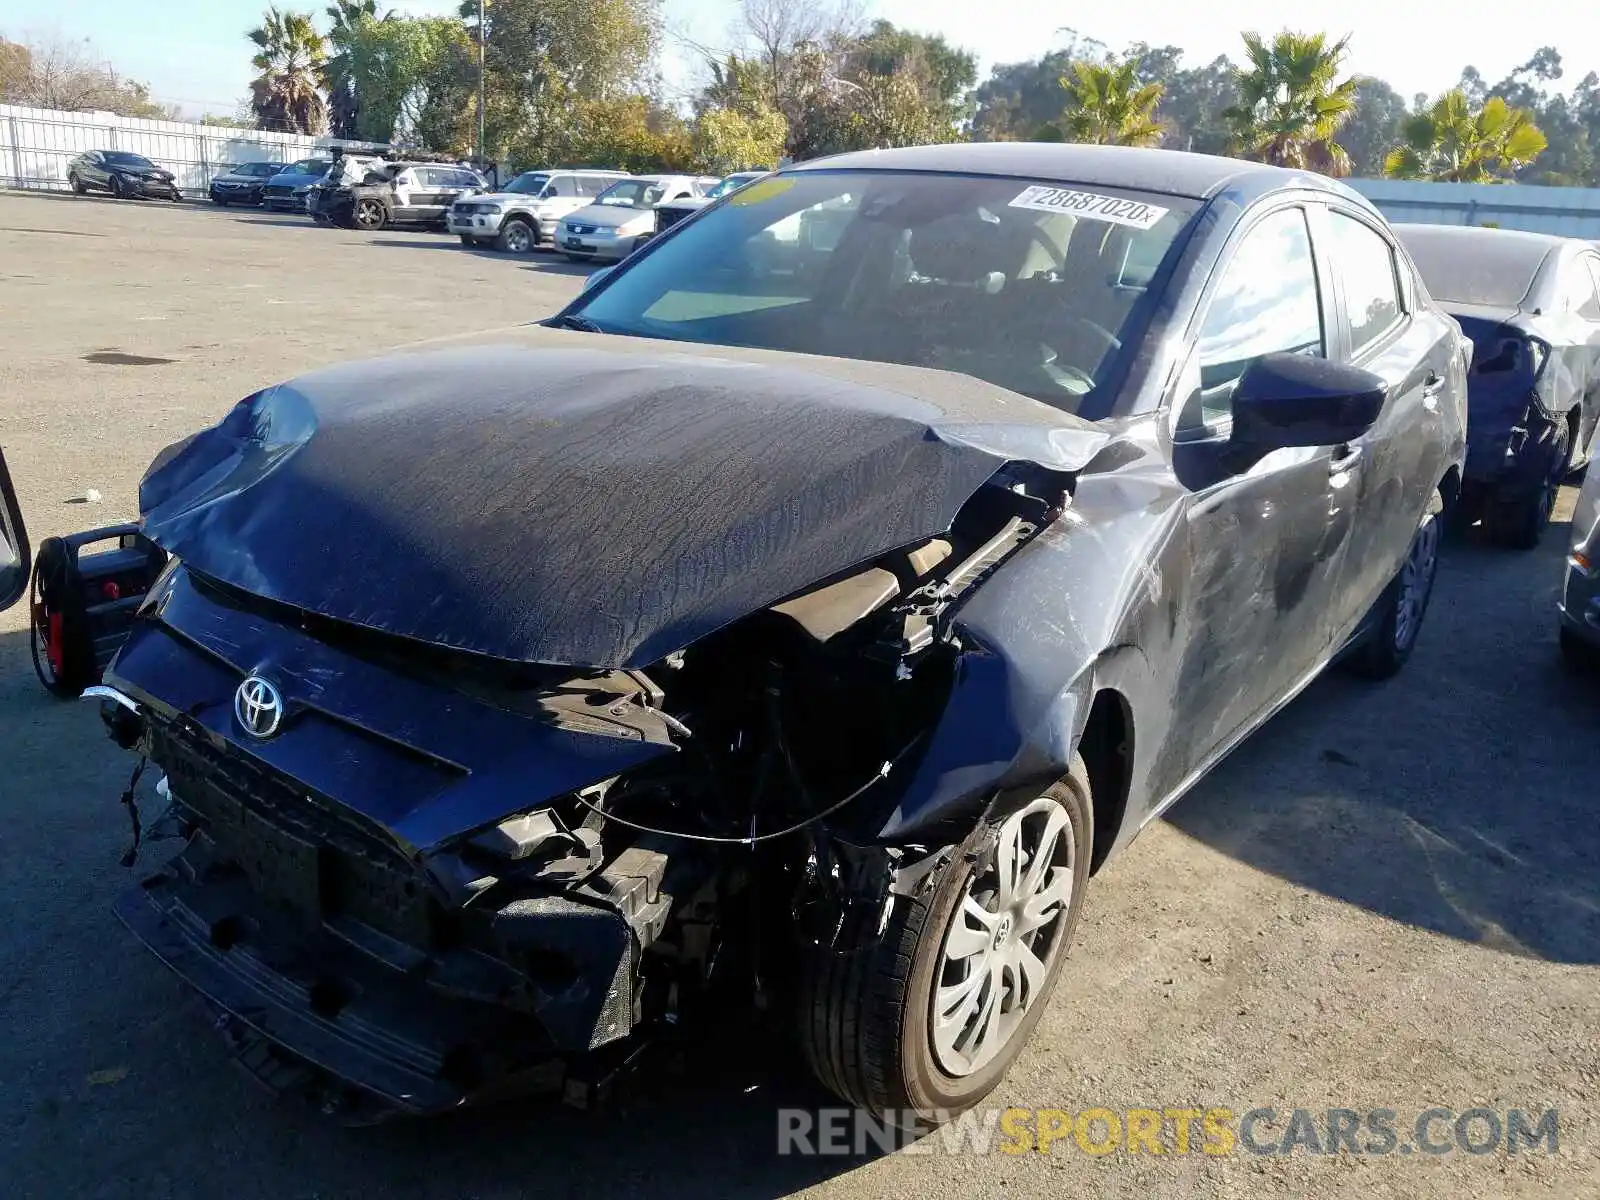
x: 1389, y: 898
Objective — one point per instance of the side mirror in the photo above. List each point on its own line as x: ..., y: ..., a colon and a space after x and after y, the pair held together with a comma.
x: 15, y: 558
x: 595, y: 277
x: 1285, y: 400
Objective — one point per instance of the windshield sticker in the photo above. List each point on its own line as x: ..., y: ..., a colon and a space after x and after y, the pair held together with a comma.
x: 1134, y: 213
x: 765, y: 189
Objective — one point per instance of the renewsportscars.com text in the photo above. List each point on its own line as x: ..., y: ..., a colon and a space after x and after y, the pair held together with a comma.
x: 1166, y: 1131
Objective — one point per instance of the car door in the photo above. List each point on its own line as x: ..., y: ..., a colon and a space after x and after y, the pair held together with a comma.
x: 15, y: 555
x: 1393, y: 470
x: 1266, y: 539
x: 95, y: 169
x: 411, y: 195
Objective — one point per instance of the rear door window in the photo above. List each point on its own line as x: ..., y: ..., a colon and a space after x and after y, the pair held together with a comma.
x: 1365, y: 261
x: 1578, y: 289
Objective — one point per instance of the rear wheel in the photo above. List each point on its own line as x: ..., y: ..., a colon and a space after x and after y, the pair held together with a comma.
x: 516, y: 237
x: 369, y: 215
x: 1404, y: 603
x: 930, y: 1006
x: 1519, y: 521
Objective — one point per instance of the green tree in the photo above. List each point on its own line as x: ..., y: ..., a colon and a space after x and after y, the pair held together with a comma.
x: 414, y: 78
x: 1373, y: 127
x: 1449, y: 142
x: 346, y: 18
x: 289, y: 56
x: 1107, y: 105
x: 725, y: 140
x: 1292, y: 103
x: 550, y: 61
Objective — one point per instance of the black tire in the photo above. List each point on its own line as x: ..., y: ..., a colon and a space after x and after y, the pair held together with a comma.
x: 116, y: 187
x: 467, y: 239
x: 517, y: 236
x: 1518, y: 521
x: 1398, y: 615
x: 218, y: 201
x: 78, y: 185
x: 866, y: 1012
x: 1578, y: 654
x: 369, y: 215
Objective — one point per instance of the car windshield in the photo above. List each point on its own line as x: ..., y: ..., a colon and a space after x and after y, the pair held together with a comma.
x: 311, y: 166
x: 120, y: 158
x: 1474, y: 266
x: 731, y: 183
x: 1042, y: 288
x: 632, y: 193
x: 530, y: 184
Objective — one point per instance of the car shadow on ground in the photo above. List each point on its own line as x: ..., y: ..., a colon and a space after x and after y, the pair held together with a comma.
x: 1466, y: 807
x: 545, y: 261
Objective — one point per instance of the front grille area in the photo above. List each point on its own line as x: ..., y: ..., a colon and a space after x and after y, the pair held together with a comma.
x: 579, y: 229
x: 301, y: 854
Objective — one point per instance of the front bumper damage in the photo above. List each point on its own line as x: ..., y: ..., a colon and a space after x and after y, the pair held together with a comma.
x: 361, y: 987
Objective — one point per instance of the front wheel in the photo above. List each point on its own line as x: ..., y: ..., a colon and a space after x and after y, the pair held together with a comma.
x: 1404, y: 603
x: 928, y: 1010
x: 370, y: 215
x: 516, y: 237
x: 467, y: 239
x: 78, y: 185
x: 116, y: 186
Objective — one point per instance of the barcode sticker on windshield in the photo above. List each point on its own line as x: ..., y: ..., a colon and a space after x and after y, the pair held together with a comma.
x: 1092, y: 205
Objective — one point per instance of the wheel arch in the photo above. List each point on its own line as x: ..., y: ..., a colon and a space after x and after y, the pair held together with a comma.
x: 1106, y: 746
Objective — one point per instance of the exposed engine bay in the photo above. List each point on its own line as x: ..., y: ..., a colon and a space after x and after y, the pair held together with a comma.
x: 540, y: 950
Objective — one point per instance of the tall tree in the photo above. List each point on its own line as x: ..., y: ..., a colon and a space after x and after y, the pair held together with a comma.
x: 1292, y: 102
x: 68, y: 75
x: 289, y: 56
x: 346, y: 19
x: 1448, y: 142
x: 1374, y: 126
x: 1107, y: 105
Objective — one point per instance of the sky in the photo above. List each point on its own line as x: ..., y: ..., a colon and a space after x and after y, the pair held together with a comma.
x: 193, y: 52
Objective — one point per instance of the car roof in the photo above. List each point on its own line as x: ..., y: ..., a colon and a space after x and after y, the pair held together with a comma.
x: 1174, y: 172
x: 1507, y: 240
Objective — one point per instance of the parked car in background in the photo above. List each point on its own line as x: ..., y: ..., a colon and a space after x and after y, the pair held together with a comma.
x: 400, y: 193
x: 241, y: 183
x: 287, y: 190
x: 122, y: 174
x: 670, y: 212
x: 623, y: 216
x: 1530, y: 302
x: 525, y: 213
x: 1580, y: 596
x: 798, y: 642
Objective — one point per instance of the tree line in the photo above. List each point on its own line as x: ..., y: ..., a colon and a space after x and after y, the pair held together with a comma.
x: 574, y: 81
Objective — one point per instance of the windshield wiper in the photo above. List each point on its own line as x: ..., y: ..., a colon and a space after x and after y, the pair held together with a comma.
x: 574, y: 321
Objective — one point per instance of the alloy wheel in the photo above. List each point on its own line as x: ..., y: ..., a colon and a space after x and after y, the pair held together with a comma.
x: 1416, y: 583
x: 369, y: 214
x: 1003, y: 938
x: 518, y: 238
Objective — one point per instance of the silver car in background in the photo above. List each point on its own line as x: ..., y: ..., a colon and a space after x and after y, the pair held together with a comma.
x: 1580, y: 598
x: 624, y: 216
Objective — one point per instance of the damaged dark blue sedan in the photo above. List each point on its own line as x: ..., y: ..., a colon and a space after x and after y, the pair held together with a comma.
x: 794, y: 622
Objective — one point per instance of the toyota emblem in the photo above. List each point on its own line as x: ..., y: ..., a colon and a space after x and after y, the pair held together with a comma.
x: 259, y: 707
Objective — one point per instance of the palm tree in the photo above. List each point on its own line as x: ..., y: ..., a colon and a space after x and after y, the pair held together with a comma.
x: 289, y: 56
x: 1107, y: 105
x: 345, y: 17
x: 1291, y: 102
x: 1450, y: 143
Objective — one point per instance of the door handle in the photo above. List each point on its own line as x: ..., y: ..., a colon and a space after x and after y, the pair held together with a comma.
x: 1431, y: 387
x: 1344, y: 458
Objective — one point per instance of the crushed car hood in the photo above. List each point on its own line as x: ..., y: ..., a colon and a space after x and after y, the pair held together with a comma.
x: 552, y: 497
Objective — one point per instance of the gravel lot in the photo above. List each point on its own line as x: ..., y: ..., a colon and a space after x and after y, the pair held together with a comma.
x: 1389, y: 898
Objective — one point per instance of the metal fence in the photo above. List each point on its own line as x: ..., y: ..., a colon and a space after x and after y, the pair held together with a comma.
x: 1567, y: 211
x: 36, y: 144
